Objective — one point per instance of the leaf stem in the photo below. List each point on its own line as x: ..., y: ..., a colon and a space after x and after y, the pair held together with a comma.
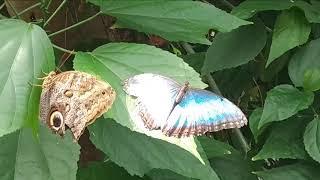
x: 27, y: 9
x: 54, y: 13
x: 75, y: 25
x: 14, y: 10
x: 213, y: 85
x: 63, y: 49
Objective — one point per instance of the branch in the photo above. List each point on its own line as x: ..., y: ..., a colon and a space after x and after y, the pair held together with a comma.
x: 14, y: 10
x: 63, y: 49
x: 27, y: 9
x: 54, y: 13
x: 75, y: 25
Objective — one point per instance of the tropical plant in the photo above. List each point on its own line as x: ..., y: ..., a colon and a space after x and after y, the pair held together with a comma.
x: 261, y: 54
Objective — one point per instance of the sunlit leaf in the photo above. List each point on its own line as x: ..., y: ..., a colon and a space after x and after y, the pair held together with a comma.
x: 26, y: 52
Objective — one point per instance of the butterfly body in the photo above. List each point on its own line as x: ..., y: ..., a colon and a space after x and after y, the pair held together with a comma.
x: 179, y: 110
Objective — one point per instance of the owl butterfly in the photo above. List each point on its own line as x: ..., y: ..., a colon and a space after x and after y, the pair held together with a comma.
x: 74, y: 100
x: 179, y: 110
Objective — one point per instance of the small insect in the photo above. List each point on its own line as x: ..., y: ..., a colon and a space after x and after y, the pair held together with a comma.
x: 179, y: 110
x: 74, y: 100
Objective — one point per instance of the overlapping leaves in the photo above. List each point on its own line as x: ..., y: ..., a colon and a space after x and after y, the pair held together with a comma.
x: 115, y: 62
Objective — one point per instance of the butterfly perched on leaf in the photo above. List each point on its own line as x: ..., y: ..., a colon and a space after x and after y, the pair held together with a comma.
x: 180, y: 110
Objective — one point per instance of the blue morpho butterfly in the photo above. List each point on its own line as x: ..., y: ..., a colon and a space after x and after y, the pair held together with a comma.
x: 179, y: 110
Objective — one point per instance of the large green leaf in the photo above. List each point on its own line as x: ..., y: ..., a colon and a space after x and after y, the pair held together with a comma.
x: 104, y: 170
x: 291, y: 30
x: 304, y: 59
x: 139, y: 153
x: 299, y: 171
x: 285, y: 141
x: 284, y: 101
x: 312, y: 139
x: 229, y: 50
x: 49, y: 157
x: 115, y: 62
x: 188, y: 21
x: 311, y: 80
x: 214, y: 148
x: 250, y: 7
x: 25, y: 52
x: 233, y: 167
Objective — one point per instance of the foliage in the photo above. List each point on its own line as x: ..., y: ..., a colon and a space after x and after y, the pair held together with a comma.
x: 261, y: 54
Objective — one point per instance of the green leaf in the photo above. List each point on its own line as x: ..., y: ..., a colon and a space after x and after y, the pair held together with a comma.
x: 214, y: 148
x: 311, y: 79
x: 233, y: 167
x: 115, y: 62
x: 101, y: 170
x: 49, y: 157
x: 159, y: 174
x: 312, y: 139
x: 291, y: 30
x: 228, y: 79
x: 299, y: 171
x: 26, y: 52
x: 284, y: 101
x: 304, y: 59
x: 188, y: 21
x: 2, y: 17
x: 285, y: 141
x: 254, y: 120
x: 228, y: 49
x: 195, y: 60
x: 139, y: 153
x: 249, y: 8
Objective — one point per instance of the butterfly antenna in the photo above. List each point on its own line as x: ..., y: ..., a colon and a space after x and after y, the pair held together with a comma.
x: 64, y: 59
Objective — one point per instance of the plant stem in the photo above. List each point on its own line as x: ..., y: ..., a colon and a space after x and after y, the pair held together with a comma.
x: 63, y: 49
x: 75, y: 25
x: 54, y: 13
x: 14, y: 10
x: 214, y: 87
x: 2, y: 5
x: 27, y: 9
x: 47, y: 7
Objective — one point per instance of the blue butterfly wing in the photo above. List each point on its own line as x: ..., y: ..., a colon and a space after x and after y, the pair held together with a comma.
x: 202, y: 111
